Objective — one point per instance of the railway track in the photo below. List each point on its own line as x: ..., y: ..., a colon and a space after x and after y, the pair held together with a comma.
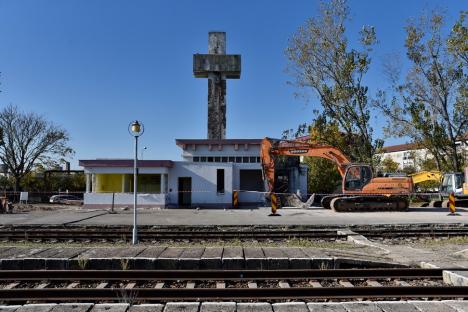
x: 206, y: 285
x: 124, y: 234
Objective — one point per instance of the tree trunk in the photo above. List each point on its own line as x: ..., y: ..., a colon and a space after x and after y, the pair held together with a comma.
x: 17, y: 184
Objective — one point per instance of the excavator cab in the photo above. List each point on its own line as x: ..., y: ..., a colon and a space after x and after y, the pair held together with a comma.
x: 356, y: 177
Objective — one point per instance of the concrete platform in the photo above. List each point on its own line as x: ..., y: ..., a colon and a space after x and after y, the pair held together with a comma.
x: 190, y: 258
x: 257, y: 216
x: 391, y: 306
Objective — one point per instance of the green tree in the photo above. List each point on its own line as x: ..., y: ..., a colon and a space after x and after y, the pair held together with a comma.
x: 389, y: 165
x: 323, y: 176
x: 321, y: 60
x: 430, y: 105
x: 30, y: 140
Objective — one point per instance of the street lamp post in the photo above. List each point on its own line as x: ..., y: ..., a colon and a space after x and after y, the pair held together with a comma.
x: 136, y: 129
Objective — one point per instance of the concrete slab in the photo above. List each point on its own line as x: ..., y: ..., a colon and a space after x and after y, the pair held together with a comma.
x: 218, y: 307
x: 151, y: 252
x: 255, y: 259
x: 254, y: 307
x: 190, y: 258
x: 290, y: 307
x: 11, y: 264
x: 277, y: 260
x: 397, y: 307
x: 146, y: 308
x: 319, y: 259
x: 432, y: 306
x: 169, y: 258
x: 212, y: 258
x: 297, y: 258
x: 72, y: 307
x: 313, y: 216
x: 110, y: 307
x: 325, y: 307
x: 39, y: 307
x: 233, y: 258
x: 459, y: 306
x: 9, y: 308
x: 361, y: 307
x: 182, y: 307
x: 455, y: 278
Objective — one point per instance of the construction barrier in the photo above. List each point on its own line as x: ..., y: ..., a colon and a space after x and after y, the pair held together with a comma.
x: 235, y: 199
x: 451, y: 204
x: 274, y: 204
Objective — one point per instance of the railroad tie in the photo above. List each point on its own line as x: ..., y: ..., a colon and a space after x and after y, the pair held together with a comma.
x: 402, y: 283
x: 102, y: 285
x: 130, y: 285
x: 220, y: 285
x: 159, y: 285
x: 11, y: 285
x: 190, y: 285
x: 373, y: 283
x: 283, y: 284
x: 345, y: 283
x: 315, y: 284
x: 73, y: 285
x: 42, y: 286
x: 252, y: 285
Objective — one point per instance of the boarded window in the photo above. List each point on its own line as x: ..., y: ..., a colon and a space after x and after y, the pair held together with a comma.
x: 251, y: 180
x: 220, y: 180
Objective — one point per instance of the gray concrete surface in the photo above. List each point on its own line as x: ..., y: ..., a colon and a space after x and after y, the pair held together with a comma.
x: 182, y: 307
x: 146, y: 308
x: 456, y: 278
x: 290, y: 307
x: 72, y: 307
x: 110, y: 307
x: 316, y: 216
x: 218, y: 307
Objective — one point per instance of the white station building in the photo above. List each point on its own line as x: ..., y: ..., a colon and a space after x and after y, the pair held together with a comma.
x: 208, y: 174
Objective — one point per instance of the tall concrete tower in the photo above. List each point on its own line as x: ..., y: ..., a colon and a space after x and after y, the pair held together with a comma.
x: 217, y: 66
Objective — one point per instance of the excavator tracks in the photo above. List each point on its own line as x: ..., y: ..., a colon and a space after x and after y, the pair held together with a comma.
x: 369, y: 203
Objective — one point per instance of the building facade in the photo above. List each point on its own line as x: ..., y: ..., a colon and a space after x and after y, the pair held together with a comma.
x: 208, y: 174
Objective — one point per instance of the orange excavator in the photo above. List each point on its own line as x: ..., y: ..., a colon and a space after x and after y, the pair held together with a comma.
x: 360, y: 190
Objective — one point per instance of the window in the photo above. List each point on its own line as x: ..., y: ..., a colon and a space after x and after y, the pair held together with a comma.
x: 217, y: 159
x: 245, y: 159
x: 251, y: 180
x: 220, y: 181
x: 224, y: 159
x: 258, y: 159
x: 232, y: 159
x: 252, y: 159
x: 210, y: 159
x: 196, y: 159
x: 203, y: 159
x: 238, y: 159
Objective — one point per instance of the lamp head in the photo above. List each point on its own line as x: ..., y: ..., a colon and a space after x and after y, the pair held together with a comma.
x: 136, y: 128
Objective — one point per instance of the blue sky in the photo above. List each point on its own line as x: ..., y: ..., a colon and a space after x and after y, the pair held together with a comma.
x: 94, y: 66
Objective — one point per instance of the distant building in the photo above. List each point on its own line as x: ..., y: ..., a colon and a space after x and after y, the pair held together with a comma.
x: 410, y: 154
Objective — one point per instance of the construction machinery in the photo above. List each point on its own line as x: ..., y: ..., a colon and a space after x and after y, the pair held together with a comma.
x: 424, y: 176
x: 456, y: 183
x: 360, y: 191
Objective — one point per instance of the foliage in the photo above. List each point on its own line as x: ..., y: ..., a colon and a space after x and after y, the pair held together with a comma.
x: 323, y: 176
x: 429, y: 106
x: 409, y: 169
x: 389, y: 165
x: 321, y: 60
x: 30, y: 140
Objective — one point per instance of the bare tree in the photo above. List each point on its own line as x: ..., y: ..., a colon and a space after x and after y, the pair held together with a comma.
x: 30, y: 140
x: 321, y: 60
x: 430, y: 105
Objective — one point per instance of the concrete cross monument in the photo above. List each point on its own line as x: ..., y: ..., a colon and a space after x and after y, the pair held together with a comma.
x: 217, y: 66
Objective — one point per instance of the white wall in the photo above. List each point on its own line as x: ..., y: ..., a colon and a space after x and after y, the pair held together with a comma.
x: 126, y: 170
x: 227, y: 150
x: 96, y: 200
x: 203, y: 183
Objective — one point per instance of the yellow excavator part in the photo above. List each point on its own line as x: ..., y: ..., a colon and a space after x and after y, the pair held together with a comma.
x: 423, y: 176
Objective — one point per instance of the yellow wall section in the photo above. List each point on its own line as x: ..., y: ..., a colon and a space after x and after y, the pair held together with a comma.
x: 147, y: 183
x: 108, y: 183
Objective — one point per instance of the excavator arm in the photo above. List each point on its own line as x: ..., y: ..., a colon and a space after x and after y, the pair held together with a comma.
x: 274, y: 147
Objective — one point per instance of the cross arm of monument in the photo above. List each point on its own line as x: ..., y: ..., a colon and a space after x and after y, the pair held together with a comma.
x: 229, y: 65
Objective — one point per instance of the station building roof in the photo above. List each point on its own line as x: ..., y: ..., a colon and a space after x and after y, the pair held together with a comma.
x: 126, y: 163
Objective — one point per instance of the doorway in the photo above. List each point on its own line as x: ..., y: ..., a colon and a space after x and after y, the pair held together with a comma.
x: 185, y: 191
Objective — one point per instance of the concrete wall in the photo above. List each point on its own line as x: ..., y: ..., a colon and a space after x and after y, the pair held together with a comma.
x: 104, y: 200
x: 203, y: 183
x: 227, y: 150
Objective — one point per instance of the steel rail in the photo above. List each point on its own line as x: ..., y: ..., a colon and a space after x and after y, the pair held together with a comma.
x: 171, y: 294
x: 137, y: 275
